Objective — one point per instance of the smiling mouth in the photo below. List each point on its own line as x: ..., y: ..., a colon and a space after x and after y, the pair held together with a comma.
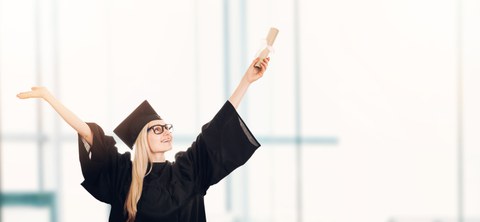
x: 166, y: 141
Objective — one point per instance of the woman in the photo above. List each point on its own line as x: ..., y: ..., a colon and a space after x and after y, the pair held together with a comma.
x: 149, y: 188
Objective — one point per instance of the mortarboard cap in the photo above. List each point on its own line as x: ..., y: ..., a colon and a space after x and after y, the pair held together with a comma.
x: 129, y: 129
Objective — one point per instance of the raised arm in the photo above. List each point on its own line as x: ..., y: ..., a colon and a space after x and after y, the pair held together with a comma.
x: 251, y: 75
x: 76, y: 123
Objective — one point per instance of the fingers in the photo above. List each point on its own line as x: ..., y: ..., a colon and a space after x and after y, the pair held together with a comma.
x: 266, y: 60
x: 24, y: 95
x: 258, y: 58
x: 264, y: 63
x: 36, y: 92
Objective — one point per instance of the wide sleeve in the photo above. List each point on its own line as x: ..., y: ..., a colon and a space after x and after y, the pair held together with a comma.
x: 103, y: 168
x: 224, y: 144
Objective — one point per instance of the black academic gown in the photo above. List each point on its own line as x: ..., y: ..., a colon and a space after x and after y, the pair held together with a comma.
x: 172, y: 191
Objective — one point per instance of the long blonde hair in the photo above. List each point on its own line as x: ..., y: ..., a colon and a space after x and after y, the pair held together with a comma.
x: 139, y: 168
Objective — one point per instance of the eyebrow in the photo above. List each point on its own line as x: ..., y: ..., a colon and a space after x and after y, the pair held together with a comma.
x: 158, y: 125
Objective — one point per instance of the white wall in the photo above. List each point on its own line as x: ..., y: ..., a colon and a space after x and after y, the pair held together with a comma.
x: 381, y: 77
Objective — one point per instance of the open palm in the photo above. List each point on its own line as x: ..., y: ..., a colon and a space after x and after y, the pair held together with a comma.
x: 36, y: 92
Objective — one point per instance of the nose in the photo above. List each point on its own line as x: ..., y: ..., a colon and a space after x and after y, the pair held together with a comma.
x: 167, y: 132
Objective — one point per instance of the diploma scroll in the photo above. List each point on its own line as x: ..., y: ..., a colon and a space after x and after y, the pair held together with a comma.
x: 272, y: 34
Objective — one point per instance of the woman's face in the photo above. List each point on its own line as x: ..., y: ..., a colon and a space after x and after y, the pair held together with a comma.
x: 159, y: 136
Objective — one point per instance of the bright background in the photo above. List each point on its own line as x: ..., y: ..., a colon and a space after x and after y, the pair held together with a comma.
x: 369, y: 110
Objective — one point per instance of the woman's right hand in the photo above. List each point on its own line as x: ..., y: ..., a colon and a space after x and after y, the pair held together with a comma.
x: 36, y: 92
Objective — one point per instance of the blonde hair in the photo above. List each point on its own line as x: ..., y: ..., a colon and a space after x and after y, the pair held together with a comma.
x: 139, y: 168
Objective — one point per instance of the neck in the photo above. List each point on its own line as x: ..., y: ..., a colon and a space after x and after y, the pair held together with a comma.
x: 157, y: 157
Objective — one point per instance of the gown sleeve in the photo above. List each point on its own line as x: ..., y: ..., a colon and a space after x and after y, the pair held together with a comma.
x: 224, y: 144
x: 103, y: 168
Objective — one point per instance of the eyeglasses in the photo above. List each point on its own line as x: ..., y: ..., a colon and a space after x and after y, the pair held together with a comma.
x: 158, y: 129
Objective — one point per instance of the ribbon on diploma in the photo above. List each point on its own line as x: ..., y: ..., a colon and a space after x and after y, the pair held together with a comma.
x: 265, y: 45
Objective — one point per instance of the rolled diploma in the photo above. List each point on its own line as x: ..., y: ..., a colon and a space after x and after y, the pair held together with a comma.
x: 272, y: 34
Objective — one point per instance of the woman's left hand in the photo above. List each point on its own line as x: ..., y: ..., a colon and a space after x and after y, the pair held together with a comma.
x: 253, y: 73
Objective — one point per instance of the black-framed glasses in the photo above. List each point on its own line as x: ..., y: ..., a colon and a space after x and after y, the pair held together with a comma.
x: 158, y: 129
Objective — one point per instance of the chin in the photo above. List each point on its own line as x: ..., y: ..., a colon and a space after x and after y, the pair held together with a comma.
x: 167, y: 148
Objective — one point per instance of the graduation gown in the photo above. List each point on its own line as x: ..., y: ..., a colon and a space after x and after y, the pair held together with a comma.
x: 172, y: 191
